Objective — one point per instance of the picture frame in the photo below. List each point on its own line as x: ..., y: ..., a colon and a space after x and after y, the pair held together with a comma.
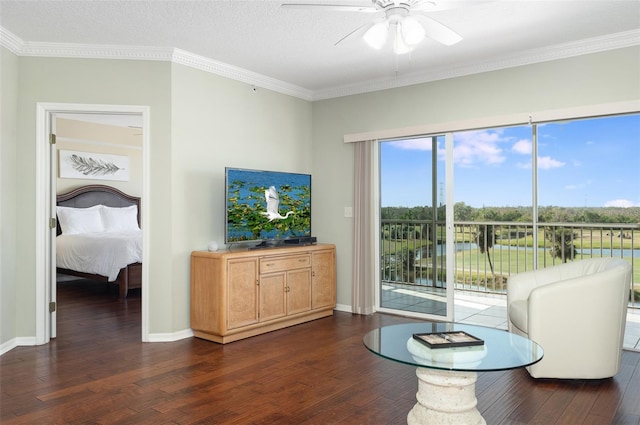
x: 91, y: 165
x: 448, y: 339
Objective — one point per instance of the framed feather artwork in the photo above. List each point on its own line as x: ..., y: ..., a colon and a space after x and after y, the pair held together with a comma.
x: 90, y: 165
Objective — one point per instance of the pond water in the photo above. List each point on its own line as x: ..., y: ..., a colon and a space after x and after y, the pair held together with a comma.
x: 466, y: 246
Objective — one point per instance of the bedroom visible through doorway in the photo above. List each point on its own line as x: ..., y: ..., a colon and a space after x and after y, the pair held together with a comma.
x: 83, y: 129
x: 93, y: 150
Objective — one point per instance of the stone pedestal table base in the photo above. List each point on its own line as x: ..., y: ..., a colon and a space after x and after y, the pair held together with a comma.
x: 445, y: 397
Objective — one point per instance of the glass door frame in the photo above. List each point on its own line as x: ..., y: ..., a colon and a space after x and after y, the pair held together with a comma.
x: 449, y: 231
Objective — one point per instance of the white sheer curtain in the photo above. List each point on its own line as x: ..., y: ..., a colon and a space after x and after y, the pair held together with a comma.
x: 364, y: 244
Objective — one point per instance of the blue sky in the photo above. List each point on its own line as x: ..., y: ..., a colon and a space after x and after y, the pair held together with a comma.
x: 593, y: 163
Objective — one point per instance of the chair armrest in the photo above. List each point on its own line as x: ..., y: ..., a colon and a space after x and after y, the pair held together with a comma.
x: 520, y: 286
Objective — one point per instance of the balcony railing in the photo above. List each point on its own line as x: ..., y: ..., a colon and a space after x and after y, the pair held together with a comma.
x: 486, y: 253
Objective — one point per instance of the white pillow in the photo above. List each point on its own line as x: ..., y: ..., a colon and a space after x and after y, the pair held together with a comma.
x: 80, y: 220
x: 123, y: 219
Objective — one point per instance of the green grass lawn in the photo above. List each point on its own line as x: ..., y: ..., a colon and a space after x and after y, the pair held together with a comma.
x: 473, y: 267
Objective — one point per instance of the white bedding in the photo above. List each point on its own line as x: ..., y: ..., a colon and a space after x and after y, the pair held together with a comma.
x: 103, y: 253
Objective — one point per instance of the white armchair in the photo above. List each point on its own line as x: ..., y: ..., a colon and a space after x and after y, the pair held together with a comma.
x: 577, y: 312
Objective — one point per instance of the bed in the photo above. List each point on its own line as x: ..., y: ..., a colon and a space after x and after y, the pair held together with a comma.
x: 99, y: 236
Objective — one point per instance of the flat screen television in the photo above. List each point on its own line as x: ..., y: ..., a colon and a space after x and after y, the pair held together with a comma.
x: 266, y: 207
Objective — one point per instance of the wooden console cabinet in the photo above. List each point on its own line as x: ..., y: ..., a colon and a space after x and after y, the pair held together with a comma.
x: 238, y: 294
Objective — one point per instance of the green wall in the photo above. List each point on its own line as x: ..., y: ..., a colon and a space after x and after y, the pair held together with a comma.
x: 199, y: 123
x: 8, y: 228
x: 606, y: 77
x: 89, y: 82
x: 218, y: 122
x: 202, y: 122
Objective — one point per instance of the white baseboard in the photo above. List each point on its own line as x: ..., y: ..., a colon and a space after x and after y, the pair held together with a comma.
x: 159, y: 337
x: 8, y: 346
x: 170, y: 337
x: 17, y: 342
x: 343, y: 307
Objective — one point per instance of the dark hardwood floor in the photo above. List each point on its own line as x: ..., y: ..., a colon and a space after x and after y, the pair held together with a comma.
x: 98, y: 372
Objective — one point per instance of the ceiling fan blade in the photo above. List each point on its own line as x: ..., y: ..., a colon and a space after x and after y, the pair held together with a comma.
x: 423, y: 5
x: 360, y: 30
x: 335, y: 7
x: 440, y: 5
x: 438, y: 31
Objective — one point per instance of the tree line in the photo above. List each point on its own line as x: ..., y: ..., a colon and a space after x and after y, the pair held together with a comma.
x: 549, y: 214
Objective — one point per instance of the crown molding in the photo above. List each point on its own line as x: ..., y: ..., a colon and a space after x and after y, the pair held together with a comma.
x: 528, y: 57
x: 81, y: 51
x: 225, y: 70
x: 90, y: 51
x: 10, y: 41
x: 94, y: 51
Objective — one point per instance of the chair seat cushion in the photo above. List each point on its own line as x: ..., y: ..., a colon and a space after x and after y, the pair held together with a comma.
x: 518, y: 314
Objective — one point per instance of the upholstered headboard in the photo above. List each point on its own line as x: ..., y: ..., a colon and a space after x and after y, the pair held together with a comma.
x: 96, y: 194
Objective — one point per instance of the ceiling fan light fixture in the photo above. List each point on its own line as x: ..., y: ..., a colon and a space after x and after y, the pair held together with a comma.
x: 376, y: 36
x: 400, y: 47
x: 412, y: 31
x: 407, y: 22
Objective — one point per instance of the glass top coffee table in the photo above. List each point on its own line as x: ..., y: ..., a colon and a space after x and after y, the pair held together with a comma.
x: 447, y: 376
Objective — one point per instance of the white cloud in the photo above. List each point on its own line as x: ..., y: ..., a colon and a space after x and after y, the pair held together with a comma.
x: 419, y: 144
x: 546, y: 163
x: 523, y: 146
x: 473, y: 147
x: 622, y: 203
x: 480, y: 148
x: 422, y: 144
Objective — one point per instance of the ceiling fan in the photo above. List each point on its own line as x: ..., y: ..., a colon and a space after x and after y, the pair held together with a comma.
x: 406, y: 22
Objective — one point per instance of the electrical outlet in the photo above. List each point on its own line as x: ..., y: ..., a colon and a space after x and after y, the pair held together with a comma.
x: 348, y: 212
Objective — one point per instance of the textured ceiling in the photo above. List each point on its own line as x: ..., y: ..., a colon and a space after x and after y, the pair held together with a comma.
x: 296, y: 46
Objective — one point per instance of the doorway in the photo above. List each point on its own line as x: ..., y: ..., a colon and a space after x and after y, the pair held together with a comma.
x: 45, y: 207
x: 108, y: 152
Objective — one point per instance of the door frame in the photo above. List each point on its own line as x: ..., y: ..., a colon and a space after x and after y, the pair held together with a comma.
x: 45, y: 203
x: 450, y: 235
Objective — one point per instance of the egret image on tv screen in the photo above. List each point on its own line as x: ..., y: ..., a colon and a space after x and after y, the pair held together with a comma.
x: 267, y: 205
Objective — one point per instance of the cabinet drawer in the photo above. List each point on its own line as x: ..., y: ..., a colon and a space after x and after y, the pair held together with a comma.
x: 268, y: 265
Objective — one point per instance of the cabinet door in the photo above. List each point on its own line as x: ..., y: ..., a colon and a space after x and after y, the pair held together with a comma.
x: 323, y: 281
x: 272, y: 296
x: 298, y: 291
x: 242, y: 293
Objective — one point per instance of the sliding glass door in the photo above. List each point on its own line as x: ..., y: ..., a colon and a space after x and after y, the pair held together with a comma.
x: 412, y: 228
x: 525, y: 197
